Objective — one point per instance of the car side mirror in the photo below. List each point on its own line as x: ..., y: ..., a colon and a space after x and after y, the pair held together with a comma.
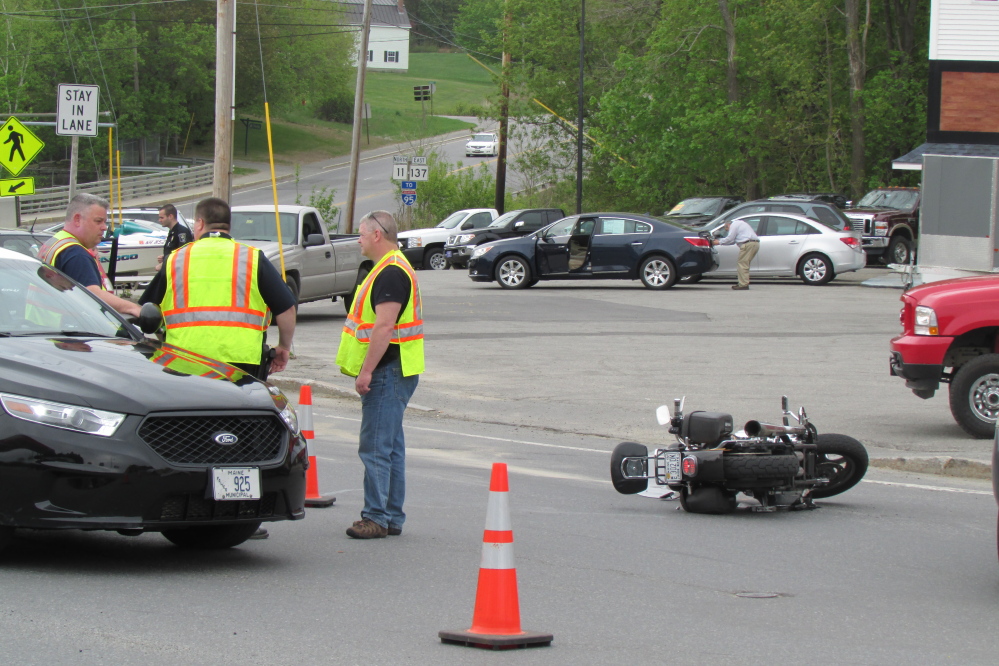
x: 150, y: 318
x: 517, y: 225
x: 312, y: 240
x: 467, y: 225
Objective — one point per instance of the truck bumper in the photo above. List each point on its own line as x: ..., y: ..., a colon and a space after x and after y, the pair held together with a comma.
x: 874, y: 244
x: 458, y: 255
x: 918, y: 360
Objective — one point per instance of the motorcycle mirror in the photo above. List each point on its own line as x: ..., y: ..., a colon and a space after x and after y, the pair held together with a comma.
x: 150, y: 318
x: 783, y: 403
x: 801, y: 415
x: 662, y: 415
x: 678, y: 406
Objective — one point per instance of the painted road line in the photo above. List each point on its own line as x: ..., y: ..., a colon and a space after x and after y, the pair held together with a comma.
x: 917, y: 486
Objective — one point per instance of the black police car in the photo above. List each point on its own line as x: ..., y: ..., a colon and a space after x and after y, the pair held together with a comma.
x: 103, y: 428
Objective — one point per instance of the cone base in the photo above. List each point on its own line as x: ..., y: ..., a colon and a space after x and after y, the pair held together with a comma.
x: 320, y: 502
x: 525, y: 639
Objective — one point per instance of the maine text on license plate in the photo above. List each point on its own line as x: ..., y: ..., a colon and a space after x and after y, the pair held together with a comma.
x: 672, y: 467
x: 236, y: 483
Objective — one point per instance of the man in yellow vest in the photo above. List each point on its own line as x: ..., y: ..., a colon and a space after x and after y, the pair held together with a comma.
x: 73, y: 250
x: 382, y: 346
x: 217, y: 295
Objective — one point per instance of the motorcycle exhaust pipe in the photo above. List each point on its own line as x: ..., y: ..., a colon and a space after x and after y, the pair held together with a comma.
x: 759, y: 429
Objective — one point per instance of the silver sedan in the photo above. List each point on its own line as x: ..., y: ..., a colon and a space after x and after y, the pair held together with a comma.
x: 793, y: 245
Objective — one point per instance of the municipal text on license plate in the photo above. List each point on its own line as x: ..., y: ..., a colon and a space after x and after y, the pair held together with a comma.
x: 236, y: 483
x: 672, y: 468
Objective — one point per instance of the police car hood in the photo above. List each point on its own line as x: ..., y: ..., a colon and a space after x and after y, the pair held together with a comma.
x: 123, y: 376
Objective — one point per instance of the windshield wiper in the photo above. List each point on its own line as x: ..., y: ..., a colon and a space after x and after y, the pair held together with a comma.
x: 60, y: 334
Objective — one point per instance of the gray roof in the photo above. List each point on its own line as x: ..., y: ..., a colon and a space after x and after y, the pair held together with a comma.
x: 913, y: 160
x: 383, y: 13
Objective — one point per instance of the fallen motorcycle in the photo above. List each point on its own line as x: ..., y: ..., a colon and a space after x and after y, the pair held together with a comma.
x: 781, y: 466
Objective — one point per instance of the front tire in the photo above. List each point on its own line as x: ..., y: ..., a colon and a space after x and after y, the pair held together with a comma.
x: 434, y: 259
x: 841, y: 459
x: 974, y: 396
x: 621, y: 484
x: 816, y: 269
x: 211, y: 537
x: 657, y: 272
x: 512, y: 272
x: 293, y: 288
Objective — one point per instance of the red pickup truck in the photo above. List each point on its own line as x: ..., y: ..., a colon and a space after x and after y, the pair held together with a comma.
x: 950, y: 333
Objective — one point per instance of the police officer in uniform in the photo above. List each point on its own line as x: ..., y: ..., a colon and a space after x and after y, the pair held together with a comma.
x: 73, y: 250
x: 177, y: 236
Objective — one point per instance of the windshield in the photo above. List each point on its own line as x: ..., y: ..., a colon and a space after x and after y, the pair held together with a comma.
x: 697, y: 206
x: 453, y: 220
x: 258, y: 226
x: 894, y: 199
x: 483, y: 137
x: 504, y: 218
x: 36, y: 299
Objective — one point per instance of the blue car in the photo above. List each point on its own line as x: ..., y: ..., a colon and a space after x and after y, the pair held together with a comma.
x: 621, y: 246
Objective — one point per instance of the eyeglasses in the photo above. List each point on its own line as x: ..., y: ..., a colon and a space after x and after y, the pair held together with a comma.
x: 371, y: 216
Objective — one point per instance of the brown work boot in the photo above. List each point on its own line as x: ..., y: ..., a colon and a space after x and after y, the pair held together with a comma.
x: 367, y: 529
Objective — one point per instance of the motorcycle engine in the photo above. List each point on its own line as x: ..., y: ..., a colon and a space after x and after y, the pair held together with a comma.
x: 706, y: 428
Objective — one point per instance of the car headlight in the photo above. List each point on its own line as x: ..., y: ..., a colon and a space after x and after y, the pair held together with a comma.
x: 481, y: 250
x: 926, y: 321
x: 880, y: 228
x: 57, y: 415
x: 416, y: 241
x: 463, y: 238
x: 285, y: 409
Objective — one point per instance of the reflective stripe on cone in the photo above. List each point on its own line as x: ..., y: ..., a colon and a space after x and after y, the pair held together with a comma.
x: 313, y: 498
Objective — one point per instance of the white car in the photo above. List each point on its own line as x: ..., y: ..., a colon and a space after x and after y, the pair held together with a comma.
x: 793, y: 245
x: 425, y: 247
x: 482, y: 144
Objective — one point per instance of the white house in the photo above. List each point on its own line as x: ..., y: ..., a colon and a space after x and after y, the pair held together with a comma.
x: 388, y: 41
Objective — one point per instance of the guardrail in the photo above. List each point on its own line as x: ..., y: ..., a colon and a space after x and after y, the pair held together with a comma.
x: 51, y: 199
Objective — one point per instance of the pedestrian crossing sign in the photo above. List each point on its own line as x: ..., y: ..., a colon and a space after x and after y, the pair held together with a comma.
x: 18, y: 146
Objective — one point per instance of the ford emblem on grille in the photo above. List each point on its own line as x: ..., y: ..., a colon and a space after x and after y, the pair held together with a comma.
x: 225, y: 438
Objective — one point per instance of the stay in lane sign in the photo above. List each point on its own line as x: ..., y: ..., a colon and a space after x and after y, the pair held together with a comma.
x: 18, y: 146
x: 15, y: 187
x: 76, y: 110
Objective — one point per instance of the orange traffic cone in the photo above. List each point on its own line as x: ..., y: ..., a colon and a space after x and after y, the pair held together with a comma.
x: 312, y: 497
x: 496, y: 619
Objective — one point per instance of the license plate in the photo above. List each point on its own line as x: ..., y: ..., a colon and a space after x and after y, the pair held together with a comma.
x: 448, y: 254
x: 235, y: 483
x: 672, y: 470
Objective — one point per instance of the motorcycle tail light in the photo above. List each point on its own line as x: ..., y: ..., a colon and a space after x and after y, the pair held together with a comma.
x: 697, y: 241
x: 689, y: 466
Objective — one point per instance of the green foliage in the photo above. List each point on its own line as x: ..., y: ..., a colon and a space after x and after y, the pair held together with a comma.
x: 322, y: 200
x: 337, y: 109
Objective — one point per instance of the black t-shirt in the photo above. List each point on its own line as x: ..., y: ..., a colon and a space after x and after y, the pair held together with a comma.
x: 272, y: 288
x: 178, y: 236
x: 76, y: 262
x: 391, y: 286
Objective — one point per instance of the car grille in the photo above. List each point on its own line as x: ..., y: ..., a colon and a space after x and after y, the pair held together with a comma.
x: 861, y: 225
x: 188, y: 439
x: 196, y: 507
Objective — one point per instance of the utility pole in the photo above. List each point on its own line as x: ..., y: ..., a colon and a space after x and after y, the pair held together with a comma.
x: 579, y: 115
x: 74, y: 162
x: 503, y: 123
x: 225, y: 68
x: 355, y: 135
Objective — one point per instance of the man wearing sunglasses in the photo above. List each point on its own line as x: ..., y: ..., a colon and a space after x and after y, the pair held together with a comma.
x: 382, y: 347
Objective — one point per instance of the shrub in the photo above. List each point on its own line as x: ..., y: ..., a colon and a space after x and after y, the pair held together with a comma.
x: 338, y: 109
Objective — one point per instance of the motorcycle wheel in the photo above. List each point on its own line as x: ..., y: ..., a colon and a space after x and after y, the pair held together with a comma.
x: 621, y: 484
x: 841, y: 459
x: 707, y: 499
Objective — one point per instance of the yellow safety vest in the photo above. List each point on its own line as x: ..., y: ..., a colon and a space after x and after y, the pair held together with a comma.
x: 185, y: 362
x: 62, y: 240
x: 36, y: 307
x: 407, y: 332
x: 212, y: 305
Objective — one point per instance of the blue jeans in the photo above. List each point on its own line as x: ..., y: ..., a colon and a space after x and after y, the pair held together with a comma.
x: 383, y: 445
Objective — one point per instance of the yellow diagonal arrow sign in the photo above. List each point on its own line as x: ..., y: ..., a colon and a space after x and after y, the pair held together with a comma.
x: 15, y: 187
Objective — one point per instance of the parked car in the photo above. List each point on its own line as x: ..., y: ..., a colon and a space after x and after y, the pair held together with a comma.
x: 317, y: 265
x: 950, y: 334
x: 621, y: 246
x: 103, y: 428
x: 838, y: 200
x: 514, y: 223
x: 23, y: 241
x: 485, y: 143
x: 425, y: 247
x: 816, y: 210
x: 140, y: 244
x: 698, y: 210
x: 888, y: 220
x: 794, y: 245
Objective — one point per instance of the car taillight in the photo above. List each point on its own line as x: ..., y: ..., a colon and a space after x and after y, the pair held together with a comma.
x: 851, y: 241
x: 697, y: 241
x: 689, y: 466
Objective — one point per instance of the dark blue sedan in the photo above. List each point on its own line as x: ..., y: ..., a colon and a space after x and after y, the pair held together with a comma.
x: 621, y: 246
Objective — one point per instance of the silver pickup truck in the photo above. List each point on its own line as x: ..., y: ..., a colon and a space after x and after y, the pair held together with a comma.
x: 316, y: 266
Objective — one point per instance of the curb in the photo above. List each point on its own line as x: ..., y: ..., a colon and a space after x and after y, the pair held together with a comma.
x: 941, y: 466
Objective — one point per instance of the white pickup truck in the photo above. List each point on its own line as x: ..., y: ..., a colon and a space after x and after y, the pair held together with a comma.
x: 425, y: 247
x: 317, y: 266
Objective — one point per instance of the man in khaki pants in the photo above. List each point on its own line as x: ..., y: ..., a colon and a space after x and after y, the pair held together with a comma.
x: 741, y: 234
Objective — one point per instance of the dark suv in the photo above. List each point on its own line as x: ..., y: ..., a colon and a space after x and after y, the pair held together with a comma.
x: 816, y: 210
x: 512, y: 224
x: 695, y: 211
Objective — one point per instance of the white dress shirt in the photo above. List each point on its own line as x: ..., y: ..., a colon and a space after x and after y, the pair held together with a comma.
x: 738, y: 233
